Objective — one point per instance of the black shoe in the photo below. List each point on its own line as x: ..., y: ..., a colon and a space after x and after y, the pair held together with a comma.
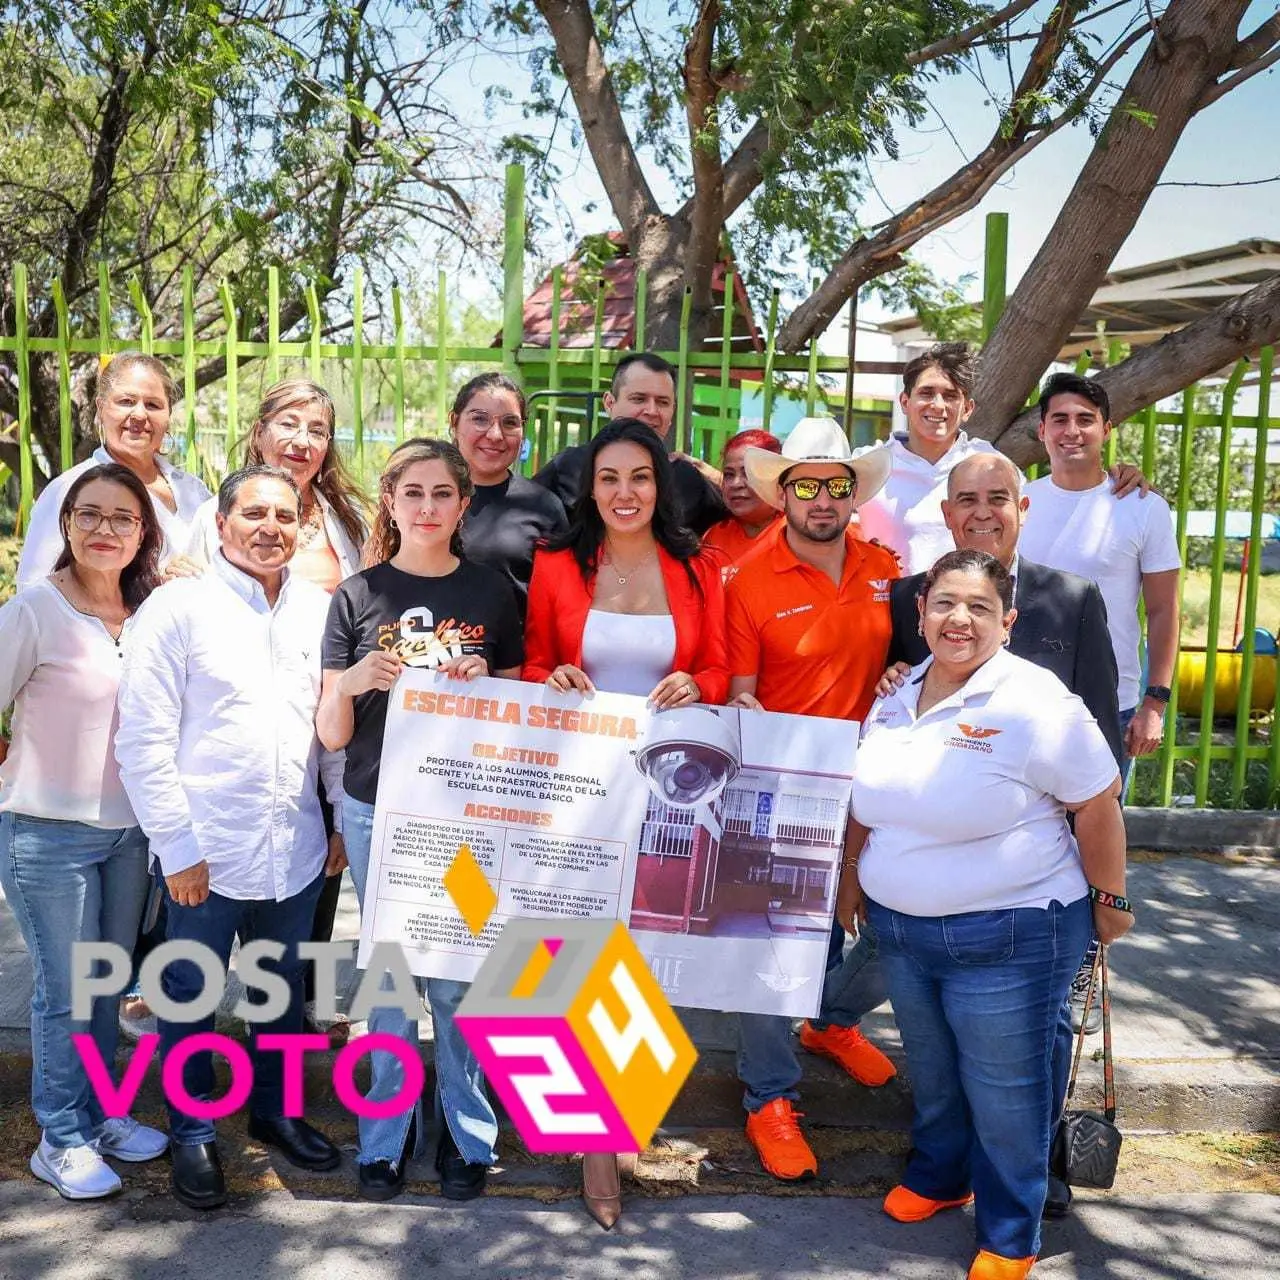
x: 384, y: 1179
x: 1057, y: 1203
x: 301, y: 1145
x: 458, y: 1179
x: 197, y: 1176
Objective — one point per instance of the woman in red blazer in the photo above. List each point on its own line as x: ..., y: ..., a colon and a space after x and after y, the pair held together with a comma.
x: 625, y: 601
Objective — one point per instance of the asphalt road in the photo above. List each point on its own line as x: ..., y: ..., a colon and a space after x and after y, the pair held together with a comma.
x: 141, y: 1237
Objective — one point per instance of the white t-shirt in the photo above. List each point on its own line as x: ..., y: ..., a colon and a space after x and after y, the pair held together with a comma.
x: 43, y: 542
x: 965, y: 803
x: 907, y: 513
x: 1111, y: 541
x: 60, y: 668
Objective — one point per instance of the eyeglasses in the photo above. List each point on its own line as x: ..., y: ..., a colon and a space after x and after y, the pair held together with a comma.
x: 837, y: 487
x: 479, y: 421
x: 315, y: 435
x: 90, y: 520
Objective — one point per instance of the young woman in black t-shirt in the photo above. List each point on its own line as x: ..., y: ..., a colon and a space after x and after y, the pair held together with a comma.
x: 421, y: 604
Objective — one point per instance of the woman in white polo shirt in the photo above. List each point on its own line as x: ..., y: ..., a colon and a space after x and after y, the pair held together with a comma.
x: 961, y: 858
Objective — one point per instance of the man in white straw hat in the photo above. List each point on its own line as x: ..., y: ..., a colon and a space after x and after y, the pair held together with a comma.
x: 809, y: 626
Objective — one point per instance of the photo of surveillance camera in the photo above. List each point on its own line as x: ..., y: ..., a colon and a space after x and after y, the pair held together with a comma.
x: 690, y: 755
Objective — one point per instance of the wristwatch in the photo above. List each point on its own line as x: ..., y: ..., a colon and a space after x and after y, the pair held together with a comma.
x: 1158, y: 692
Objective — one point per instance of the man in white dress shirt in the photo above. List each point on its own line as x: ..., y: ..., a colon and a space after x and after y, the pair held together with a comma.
x: 218, y: 754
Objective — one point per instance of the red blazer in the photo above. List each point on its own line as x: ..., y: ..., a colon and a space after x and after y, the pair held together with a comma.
x: 559, y: 602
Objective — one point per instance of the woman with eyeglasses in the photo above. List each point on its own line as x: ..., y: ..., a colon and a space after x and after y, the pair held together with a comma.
x: 73, y: 861
x: 294, y: 431
x: 133, y: 405
x: 509, y: 515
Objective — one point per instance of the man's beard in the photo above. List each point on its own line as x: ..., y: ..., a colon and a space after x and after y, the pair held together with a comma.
x: 827, y: 533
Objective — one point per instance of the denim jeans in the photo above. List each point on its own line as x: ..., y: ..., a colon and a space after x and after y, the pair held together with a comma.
x: 767, y: 1060
x: 977, y: 997
x: 1126, y: 768
x: 215, y: 922
x: 461, y: 1100
x: 69, y: 882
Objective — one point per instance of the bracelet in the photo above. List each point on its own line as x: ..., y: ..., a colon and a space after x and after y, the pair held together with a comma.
x: 1109, y: 899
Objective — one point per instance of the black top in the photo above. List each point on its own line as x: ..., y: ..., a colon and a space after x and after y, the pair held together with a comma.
x: 504, y: 523
x: 427, y: 621
x: 698, y: 500
x: 1061, y: 626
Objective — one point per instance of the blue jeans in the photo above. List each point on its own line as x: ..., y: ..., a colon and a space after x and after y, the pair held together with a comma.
x: 69, y: 882
x: 461, y: 1100
x: 1126, y: 768
x: 977, y: 997
x: 215, y: 922
x: 767, y: 1061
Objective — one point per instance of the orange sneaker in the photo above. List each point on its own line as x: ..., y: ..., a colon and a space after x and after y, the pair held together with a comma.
x: 905, y: 1205
x: 852, y: 1050
x: 991, y: 1266
x: 781, y: 1146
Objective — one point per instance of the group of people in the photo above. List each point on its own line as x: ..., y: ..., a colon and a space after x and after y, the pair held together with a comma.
x: 228, y: 725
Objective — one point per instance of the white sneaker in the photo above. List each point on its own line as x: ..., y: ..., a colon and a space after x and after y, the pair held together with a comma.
x: 79, y: 1173
x: 123, y: 1138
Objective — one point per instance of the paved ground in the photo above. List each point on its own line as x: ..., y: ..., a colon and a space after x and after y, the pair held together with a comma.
x: 1218, y: 1237
x: 1196, y: 1009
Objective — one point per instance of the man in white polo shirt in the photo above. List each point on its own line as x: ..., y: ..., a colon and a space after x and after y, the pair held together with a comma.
x: 937, y: 398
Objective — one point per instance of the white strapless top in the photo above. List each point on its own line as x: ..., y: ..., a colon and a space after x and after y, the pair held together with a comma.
x: 628, y: 652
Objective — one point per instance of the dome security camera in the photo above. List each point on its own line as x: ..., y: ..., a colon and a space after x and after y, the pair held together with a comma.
x: 690, y: 756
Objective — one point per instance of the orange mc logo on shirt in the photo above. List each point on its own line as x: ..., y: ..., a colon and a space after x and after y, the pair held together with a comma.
x: 976, y: 731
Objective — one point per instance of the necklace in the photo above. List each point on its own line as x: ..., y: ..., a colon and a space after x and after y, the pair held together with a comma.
x: 71, y: 583
x: 623, y: 578
x: 311, y: 526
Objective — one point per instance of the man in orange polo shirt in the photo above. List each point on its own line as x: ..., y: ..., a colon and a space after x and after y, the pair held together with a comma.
x: 809, y: 627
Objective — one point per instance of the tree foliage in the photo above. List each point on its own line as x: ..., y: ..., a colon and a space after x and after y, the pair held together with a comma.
x: 222, y: 138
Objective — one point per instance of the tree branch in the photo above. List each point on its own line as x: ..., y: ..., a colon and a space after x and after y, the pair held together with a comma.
x: 959, y: 42
x: 1238, y: 328
x: 705, y: 216
x: 583, y: 64
x: 1257, y: 42
x: 1224, y: 87
x: 881, y: 251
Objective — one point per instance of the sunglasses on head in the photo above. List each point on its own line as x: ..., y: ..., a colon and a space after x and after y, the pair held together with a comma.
x: 837, y: 487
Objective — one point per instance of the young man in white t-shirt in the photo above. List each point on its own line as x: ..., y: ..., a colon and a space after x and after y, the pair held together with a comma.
x: 937, y: 398
x: 1126, y: 545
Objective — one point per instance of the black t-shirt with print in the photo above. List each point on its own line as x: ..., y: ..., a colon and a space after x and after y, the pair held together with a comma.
x: 427, y: 621
x: 504, y: 524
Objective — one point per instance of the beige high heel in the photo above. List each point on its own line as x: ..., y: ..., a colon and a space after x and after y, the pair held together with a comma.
x: 602, y: 1187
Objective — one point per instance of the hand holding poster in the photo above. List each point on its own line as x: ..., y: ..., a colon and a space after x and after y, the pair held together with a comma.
x: 714, y: 833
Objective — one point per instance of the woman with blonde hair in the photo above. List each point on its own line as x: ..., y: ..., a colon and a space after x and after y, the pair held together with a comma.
x: 133, y: 405
x: 294, y: 432
x: 420, y: 603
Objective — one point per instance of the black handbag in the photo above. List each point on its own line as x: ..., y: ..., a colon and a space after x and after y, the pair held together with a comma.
x: 1086, y: 1146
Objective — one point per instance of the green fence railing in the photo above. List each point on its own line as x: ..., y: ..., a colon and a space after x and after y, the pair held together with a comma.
x: 1222, y: 749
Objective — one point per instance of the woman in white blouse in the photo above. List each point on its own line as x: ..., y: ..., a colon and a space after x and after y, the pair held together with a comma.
x: 982, y: 900
x: 73, y: 862
x: 133, y: 402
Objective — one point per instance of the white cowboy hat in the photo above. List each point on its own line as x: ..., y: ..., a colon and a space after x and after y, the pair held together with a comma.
x: 816, y: 440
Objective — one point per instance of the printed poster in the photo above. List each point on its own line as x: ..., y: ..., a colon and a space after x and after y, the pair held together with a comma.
x: 715, y: 834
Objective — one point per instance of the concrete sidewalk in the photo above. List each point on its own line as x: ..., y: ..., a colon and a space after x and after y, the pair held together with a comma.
x: 1196, y: 1011
x: 1186, y: 1237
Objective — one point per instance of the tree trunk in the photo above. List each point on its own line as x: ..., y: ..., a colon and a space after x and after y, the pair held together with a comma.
x: 1238, y: 328
x: 1193, y: 46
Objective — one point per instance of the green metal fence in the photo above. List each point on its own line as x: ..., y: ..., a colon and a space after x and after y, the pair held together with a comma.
x: 1223, y: 751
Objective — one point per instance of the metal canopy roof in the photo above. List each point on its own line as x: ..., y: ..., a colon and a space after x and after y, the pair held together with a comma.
x: 1141, y: 304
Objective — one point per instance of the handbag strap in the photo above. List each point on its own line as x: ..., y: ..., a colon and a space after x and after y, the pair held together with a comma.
x: 1098, y: 977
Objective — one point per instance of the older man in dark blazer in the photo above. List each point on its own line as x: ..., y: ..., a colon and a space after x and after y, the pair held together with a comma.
x: 1062, y: 621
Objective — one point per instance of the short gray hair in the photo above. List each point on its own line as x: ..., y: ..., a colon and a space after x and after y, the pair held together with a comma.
x: 236, y: 480
x: 1018, y: 482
